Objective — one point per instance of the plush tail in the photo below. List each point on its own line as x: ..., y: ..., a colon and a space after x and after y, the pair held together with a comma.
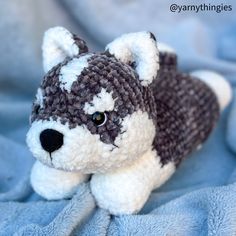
x: 218, y: 84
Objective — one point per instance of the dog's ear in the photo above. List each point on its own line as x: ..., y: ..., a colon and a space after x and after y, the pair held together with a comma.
x: 140, y: 50
x: 59, y: 43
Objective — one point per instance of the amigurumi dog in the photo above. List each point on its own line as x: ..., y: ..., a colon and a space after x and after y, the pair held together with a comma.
x: 122, y: 119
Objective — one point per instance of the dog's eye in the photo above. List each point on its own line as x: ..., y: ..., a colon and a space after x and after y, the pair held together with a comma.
x: 99, y: 118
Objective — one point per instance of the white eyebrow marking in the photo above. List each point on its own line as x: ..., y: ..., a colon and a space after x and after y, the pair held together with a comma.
x: 70, y: 72
x: 101, y: 102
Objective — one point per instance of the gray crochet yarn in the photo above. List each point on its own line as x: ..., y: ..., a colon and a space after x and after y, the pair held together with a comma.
x: 187, y: 111
x: 184, y: 109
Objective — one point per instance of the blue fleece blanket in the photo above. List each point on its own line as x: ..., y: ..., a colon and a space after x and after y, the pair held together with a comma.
x: 200, y: 199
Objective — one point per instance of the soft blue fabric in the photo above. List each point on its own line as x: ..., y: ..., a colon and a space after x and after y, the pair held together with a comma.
x: 200, y: 199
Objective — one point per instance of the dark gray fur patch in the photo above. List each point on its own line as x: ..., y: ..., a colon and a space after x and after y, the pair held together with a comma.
x: 187, y: 111
x: 81, y: 44
x: 106, y: 72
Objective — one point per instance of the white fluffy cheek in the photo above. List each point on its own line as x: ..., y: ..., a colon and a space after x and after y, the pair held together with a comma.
x: 138, y: 132
x: 80, y: 150
x: 91, y: 155
x: 85, y: 152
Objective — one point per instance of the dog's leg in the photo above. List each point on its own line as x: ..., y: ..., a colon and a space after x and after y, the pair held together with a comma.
x: 125, y: 191
x: 55, y: 184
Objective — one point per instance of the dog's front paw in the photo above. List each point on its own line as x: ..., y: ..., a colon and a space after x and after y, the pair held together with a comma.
x: 119, y: 194
x: 54, y: 184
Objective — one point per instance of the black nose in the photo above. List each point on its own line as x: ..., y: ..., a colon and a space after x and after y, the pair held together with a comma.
x: 51, y: 140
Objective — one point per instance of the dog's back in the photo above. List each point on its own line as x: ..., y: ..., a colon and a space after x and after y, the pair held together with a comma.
x: 187, y: 111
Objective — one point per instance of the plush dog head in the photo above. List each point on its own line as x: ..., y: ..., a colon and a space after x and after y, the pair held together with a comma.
x: 94, y: 112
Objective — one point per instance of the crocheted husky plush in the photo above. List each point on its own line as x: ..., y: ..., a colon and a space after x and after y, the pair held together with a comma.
x: 123, y: 118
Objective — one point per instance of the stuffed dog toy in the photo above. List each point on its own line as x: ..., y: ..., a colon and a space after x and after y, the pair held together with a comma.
x: 122, y: 119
